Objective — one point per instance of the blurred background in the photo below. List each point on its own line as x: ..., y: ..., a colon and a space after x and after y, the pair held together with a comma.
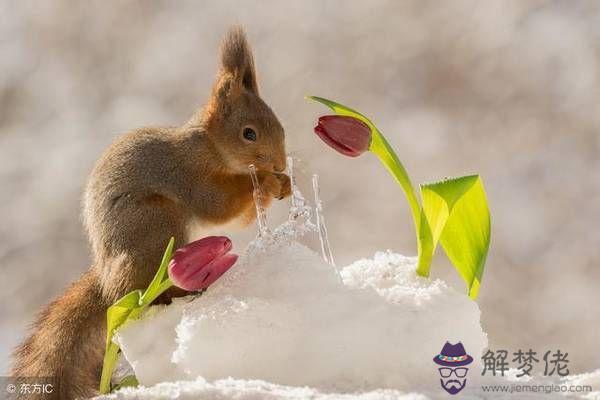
x: 507, y: 89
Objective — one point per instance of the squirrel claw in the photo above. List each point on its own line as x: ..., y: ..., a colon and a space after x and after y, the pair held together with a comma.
x: 286, y: 186
x: 276, y: 185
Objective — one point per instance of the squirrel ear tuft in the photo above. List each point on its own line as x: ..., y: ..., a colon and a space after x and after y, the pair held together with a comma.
x: 236, y: 74
x: 237, y: 60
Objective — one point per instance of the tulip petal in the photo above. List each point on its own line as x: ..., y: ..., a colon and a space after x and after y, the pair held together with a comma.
x: 219, y: 267
x: 348, y: 135
x: 333, y: 144
x: 192, y: 265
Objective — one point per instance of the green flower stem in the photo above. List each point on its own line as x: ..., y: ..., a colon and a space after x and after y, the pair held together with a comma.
x: 390, y: 160
x: 110, y: 359
x: 381, y: 148
x: 163, y: 287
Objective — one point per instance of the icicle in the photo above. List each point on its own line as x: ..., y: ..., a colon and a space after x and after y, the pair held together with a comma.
x: 261, y: 215
x: 325, y: 248
x: 299, y: 207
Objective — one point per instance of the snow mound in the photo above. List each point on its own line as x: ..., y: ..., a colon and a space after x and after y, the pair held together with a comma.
x: 285, y: 316
x: 230, y: 388
x: 238, y: 389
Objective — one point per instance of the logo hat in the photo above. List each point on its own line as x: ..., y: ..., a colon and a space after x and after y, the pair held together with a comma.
x: 453, y: 355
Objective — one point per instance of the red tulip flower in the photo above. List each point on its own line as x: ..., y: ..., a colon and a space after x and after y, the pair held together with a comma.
x: 348, y: 135
x: 199, y: 264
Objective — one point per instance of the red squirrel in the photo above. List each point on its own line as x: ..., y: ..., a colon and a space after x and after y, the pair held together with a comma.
x: 151, y: 184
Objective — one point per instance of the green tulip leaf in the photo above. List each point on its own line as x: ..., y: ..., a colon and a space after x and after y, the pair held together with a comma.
x: 458, y: 217
x: 116, y: 316
x: 118, y: 313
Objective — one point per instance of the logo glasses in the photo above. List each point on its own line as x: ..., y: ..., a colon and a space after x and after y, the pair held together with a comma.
x: 447, y: 372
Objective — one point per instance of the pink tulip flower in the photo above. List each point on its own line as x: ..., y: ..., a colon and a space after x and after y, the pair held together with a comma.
x: 348, y: 135
x: 199, y: 264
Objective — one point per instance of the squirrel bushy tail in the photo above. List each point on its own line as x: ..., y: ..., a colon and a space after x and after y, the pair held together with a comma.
x: 53, y: 329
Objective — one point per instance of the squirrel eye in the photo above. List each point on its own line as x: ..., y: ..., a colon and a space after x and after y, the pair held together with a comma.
x: 249, y: 134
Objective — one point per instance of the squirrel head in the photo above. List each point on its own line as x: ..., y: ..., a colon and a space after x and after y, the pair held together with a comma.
x: 241, y: 126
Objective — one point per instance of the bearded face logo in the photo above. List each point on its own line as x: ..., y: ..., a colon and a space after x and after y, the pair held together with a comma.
x: 453, y: 373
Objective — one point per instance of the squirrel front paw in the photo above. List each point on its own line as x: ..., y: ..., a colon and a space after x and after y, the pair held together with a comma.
x: 276, y: 185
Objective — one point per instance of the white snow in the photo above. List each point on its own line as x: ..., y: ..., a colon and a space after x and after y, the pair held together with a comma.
x: 236, y: 389
x: 285, y: 316
x: 282, y: 324
x: 240, y: 389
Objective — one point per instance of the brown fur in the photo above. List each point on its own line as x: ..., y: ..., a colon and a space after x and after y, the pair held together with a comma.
x: 148, y: 186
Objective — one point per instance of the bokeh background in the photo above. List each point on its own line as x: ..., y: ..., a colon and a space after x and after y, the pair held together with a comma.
x: 508, y: 89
